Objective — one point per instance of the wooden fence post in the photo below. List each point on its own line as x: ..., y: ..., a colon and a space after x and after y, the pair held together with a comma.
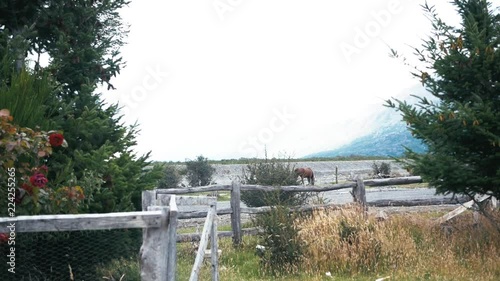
x: 172, y: 240
x: 336, y: 174
x: 359, y: 193
x: 148, y: 199
x: 236, y: 213
x: 214, y: 248
x: 153, y: 254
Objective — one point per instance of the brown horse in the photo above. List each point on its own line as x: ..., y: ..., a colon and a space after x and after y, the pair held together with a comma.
x: 305, y: 173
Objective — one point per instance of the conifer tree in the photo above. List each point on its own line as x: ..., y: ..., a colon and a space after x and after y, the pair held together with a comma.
x: 82, y: 39
x: 460, y: 124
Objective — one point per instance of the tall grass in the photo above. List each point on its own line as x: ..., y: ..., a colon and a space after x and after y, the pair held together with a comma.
x: 353, y: 247
x: 407, y: 247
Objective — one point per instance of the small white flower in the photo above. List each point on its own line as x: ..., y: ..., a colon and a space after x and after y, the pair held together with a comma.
x: 328, y: 274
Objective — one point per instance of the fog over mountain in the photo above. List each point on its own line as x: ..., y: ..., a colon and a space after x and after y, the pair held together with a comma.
x: 388, y: 136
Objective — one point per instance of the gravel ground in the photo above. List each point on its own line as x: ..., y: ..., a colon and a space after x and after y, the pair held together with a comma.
x: 324, y: 171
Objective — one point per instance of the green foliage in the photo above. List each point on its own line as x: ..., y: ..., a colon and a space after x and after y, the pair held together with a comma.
x: 383, y: 169
x: 271, y: 172
x: 120, y: 269
x: 461, y: 123
x: 153, y: 174
x: 28, y: 96
x: 283, y: 249
x: 199, y: 171
x: 171, y: 177
x: 82, y: 40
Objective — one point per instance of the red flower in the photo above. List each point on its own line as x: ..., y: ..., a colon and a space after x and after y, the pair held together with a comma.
x: 4, y: 237
x: 56, y: 139
x: 38, y: 179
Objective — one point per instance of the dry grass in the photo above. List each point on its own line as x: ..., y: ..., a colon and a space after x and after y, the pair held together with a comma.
x: 406, y: 247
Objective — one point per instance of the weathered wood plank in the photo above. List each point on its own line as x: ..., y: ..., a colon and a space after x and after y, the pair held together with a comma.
x: 164, y: 200
x: 265, y: 209
x: 202, y: 214
x: 148, y: 199
x: 393, y: 181
x: 214, y: 242
x: 172, y: 240
x: 83, y: 221
x: 186, y: 190
x: 359, y: 192
x: 236, y: 214
x: 416, y: 202
x: 153, y: 253
x: 195, y: 237
x: 203, y: 245
x: 299, y: 188
x: 461, y: 209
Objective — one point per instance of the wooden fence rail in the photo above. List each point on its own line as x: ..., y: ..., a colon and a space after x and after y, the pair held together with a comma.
x: 157, y: 260
x: 45, y: 223
x: 235, y: 210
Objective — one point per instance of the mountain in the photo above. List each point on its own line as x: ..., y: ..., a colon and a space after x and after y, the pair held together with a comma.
x: 388, y: 136
x: 386, y: 141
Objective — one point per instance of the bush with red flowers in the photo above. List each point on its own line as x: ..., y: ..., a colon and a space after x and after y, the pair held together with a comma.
x: 24, y: 149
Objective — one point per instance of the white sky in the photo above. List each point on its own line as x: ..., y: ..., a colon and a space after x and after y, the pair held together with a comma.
x: 224, y: 83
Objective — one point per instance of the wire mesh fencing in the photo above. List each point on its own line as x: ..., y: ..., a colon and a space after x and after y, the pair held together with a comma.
x: 73, y: 255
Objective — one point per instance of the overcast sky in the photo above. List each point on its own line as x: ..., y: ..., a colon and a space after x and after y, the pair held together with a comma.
x: 227, y: 78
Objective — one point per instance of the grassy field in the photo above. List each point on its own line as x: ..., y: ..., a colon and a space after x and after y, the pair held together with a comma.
x: 352, y: 247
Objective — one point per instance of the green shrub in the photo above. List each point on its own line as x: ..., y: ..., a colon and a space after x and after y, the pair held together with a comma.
x: 199, y: 171
x: 283, y: 251
x: 271, y: 172
x: 383, y: 169
x: 171, y: 177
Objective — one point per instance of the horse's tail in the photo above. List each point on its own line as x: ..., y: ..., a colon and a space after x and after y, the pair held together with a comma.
x: 312, y: 177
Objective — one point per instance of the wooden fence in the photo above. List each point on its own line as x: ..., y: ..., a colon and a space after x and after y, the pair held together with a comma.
x: 158, y: 254
x: 156, y: 221
x: 235, y: 210
x: 160, y: 216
